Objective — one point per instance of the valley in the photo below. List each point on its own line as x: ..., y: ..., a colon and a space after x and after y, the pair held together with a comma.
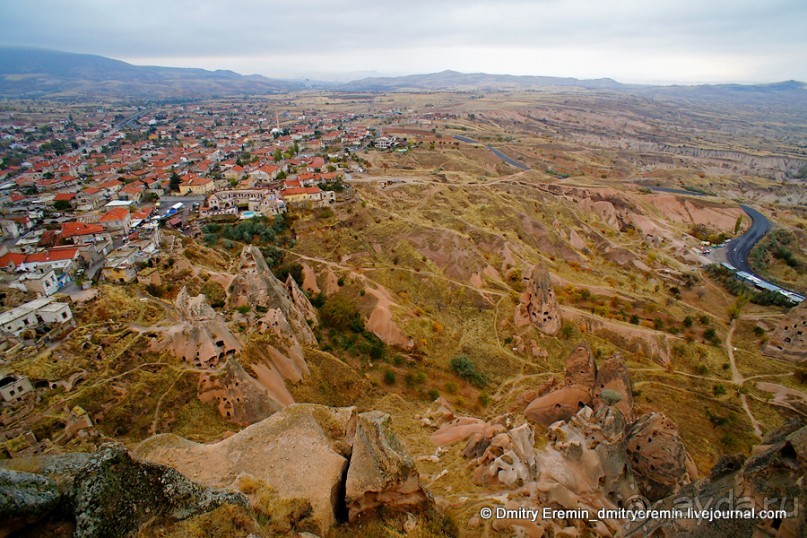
x: 506, y: 291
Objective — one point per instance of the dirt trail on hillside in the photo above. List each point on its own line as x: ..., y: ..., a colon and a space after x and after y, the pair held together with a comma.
x: 738, y: 379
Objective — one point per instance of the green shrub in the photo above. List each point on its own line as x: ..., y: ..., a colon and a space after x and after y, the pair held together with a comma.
x: 466, y: 369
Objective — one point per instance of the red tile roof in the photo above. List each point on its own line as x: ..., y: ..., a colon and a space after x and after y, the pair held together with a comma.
x: 72, y: 229
x: 53, y: 255
x: 116, y: 213
x: 301, y: 190
x: 10, y: 258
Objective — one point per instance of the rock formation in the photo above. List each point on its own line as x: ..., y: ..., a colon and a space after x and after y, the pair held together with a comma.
x: 381, y: 472
x: 202, y: 338
x: 565, y: 402
x: 583, y: 465
x: 241, y: 398
x: 789, y: 339
x: 306, y: 454
x: 771, y: 478
x: 255, y: 286
x: 613, y: 387
x: 105, y: 493
x: 658, y: 456
x: 538, y: 305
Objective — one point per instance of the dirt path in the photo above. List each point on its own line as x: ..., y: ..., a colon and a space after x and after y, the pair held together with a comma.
x: 738, y: 380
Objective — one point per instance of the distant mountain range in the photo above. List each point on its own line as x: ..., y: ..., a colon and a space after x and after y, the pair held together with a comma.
x: 33, y: 73
x: 474, y: 81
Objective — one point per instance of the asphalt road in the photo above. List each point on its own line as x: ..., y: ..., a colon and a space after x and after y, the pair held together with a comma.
x: 499, y: 154
x: 675, y: 191
x: 738, y: 250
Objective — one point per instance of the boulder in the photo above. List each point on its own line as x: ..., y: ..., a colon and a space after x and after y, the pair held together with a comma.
x: 107, y: 493
x: 301, y: 453
x: 658, y: 457
x: 381, y: 472
x: 538, y: 305
x: 565, y: 402
x: 576, y: 241
x: 25, y: 498
x: 561, y: 404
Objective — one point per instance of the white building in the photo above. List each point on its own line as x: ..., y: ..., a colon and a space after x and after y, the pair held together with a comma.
x: 14, y: 387
x: 34, y: 313
x: 44, y: 283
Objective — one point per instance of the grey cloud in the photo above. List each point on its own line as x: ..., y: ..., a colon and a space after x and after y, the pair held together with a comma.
x: 254, y: 28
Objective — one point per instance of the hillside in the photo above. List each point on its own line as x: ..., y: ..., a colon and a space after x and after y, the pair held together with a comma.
x: 35, y: 73
x: 434, y: 331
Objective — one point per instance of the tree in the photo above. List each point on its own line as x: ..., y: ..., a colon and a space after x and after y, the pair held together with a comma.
x: 738, y: 224
x: 61, y: 205
x: 173, y: 185
x: 735, y: 309
x: 277, y: 155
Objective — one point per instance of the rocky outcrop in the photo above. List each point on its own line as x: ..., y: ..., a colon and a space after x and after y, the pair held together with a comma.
x: 658, y: 456
x: 584, y: 465
x: 240, y: 397
x: 25, y: 498
x: 563, y: 403
x: 771, y: 478
x: 381, y: 322
x: 538, y: 305
x: 301, y: 453
x: 106, y: 493
x: 256, y: 287
x: 381, y: 472
x: 202, y: 338
x: 308, y: 455
x: 789, y: 339
x: 613, y: 387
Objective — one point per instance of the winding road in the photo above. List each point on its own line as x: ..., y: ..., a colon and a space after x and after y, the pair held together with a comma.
x: 499, y: 154
x: 738, y: 250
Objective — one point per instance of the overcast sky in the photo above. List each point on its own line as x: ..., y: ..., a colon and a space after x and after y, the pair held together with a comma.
x: 645, y: 41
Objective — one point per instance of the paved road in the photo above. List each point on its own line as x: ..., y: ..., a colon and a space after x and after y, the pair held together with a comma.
x: 674, y: 191
x: 738, y: 250
x: 499, y: 154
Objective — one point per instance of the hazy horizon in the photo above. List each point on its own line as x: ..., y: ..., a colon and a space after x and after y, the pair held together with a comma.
x: 668, y: 42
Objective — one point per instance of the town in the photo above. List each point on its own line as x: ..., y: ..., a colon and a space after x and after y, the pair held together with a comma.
x: 84, y: 197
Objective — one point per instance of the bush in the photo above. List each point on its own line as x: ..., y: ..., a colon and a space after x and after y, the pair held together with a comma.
x: 318, y: 300
x: 389, y: 377
x: 339, y: 312
x: 566, y: 331
x: 294, y: 269
x: 154, y: 290
x: 465, y: 368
